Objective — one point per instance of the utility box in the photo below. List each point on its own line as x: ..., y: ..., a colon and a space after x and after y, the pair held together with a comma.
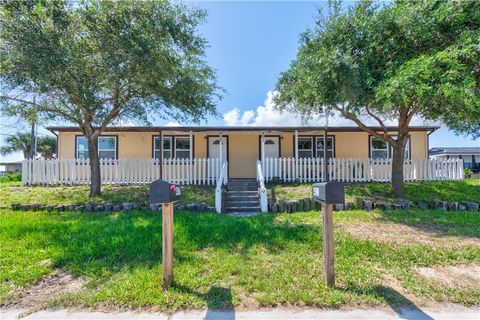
x: 331, y: 192
x: 164, y: 192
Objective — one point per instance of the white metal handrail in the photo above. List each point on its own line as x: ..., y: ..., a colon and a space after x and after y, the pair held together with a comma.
x: 262, y: 191
x: 222, y: 180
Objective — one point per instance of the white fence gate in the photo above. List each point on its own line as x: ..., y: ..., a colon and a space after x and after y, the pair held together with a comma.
x: 124, y: 171
x: 358, y: 170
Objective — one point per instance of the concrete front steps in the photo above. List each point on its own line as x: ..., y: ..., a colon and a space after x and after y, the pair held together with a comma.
x: 241, y: 197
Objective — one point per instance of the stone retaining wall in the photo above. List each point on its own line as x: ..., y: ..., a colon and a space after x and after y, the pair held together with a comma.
x: 107, y: 207
x: 307, y: 204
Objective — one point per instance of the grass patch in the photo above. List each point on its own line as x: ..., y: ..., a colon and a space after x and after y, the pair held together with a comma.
x: 79, y: 194
x: 223, y: 261
x: 465, y: 190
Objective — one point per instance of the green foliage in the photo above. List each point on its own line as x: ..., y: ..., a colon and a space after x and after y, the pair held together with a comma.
x: 392, y: 62
x: 21, y: 141
x: 223, y: 261
x: 11, y: 177
x: 98, y: 62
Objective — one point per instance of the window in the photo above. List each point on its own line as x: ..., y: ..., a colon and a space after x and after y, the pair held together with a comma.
x: 305, y: 147
x: 167, y: 147
x: 330, y: 147
x: 380, y: 149
x: 182, y: 147
x: 82, y: 148
x: 107, y: 147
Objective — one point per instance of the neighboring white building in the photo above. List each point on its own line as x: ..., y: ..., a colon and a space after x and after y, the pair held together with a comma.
x: 10, y: 167
x: 470, y: 155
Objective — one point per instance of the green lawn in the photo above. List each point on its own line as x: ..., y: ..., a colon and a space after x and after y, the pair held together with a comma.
x: 466, y: 190
x: 15, y: 193
x: 223, y: 261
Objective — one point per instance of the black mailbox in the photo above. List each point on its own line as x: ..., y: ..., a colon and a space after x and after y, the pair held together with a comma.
x: 331, y: 192
x: 164, y: 192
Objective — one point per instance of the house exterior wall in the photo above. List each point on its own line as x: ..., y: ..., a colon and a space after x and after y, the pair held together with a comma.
x: 243, y: 147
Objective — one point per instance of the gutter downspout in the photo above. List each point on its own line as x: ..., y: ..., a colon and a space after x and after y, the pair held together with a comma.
x: 56, y: 141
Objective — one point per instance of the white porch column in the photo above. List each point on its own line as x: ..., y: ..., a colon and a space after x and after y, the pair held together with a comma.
x: 221, y: 149
x: 190, y: 137
x: 296, y: 154
x: 190, y: 144
x: 263, y: 148
x: 161, y: 154
x: 263, y: 152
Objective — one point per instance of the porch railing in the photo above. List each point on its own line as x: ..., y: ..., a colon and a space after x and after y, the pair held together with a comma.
x: 262, y: 191
x: 221, y: 181
x: 198, y: 171
x: 358, y: 170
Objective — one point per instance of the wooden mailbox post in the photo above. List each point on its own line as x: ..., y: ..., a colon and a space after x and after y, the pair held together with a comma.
x: 166, y: 194
x: 328, y: 194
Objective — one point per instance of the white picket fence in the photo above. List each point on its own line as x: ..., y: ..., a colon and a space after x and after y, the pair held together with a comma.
x: 360, y: 170
x: 125, y: 171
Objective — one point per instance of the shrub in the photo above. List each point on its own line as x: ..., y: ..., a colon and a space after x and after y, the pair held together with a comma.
x: 11, y: 177
x: 467, y: 173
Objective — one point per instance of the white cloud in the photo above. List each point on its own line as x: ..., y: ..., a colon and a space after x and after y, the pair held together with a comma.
x: 264, y: 115
x: 267, y: 115
x: 173, y: 124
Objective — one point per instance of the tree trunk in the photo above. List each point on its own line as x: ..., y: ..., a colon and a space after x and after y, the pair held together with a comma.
x: 397, y: 168
x: 95, y: 180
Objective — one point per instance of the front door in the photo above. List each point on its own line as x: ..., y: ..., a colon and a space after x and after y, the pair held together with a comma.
x: 272, y: 147
x: 214, y: 148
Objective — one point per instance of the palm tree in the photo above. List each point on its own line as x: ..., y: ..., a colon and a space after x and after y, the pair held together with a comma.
x: 47, y: 146
x: 18, y: 142
x: 22, y: 142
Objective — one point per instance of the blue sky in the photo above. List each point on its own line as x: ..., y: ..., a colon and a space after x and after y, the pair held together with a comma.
x: 250, y: 44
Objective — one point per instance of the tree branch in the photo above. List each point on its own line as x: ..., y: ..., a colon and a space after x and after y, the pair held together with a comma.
x: 385, y: 130
x: 364, y: 127
x: 20, y: 100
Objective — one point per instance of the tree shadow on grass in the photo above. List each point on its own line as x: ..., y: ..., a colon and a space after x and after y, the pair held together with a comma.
x: 92, y: 243
x: 401, y: 305
x: 219, y: 301
x: 436, y: 223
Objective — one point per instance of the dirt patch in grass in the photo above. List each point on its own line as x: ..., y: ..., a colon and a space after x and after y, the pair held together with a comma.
x: 45, y: 290
x: 464, y: 275
x: 404, y: 234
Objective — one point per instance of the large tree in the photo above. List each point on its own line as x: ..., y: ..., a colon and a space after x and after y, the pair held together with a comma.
x: 96, y: 63
x: 397, y: 61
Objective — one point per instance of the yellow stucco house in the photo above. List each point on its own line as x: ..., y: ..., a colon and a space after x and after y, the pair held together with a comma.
x: 241, y: 146
x: 238, y: 161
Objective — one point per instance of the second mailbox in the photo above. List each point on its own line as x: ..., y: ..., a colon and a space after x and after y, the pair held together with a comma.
x: 331, y: 192
x: 164, y: 192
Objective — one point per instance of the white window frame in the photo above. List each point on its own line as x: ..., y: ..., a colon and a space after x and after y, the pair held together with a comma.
x: 77, y: 138
x: 182, y: 150
x: 332, y: 149
x: 155, y: 150
x: 98, y: 146
x: 311, y: 148
x: 407, y: 155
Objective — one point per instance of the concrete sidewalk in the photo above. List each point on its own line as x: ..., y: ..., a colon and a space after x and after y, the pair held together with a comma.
x: 438, y: 312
